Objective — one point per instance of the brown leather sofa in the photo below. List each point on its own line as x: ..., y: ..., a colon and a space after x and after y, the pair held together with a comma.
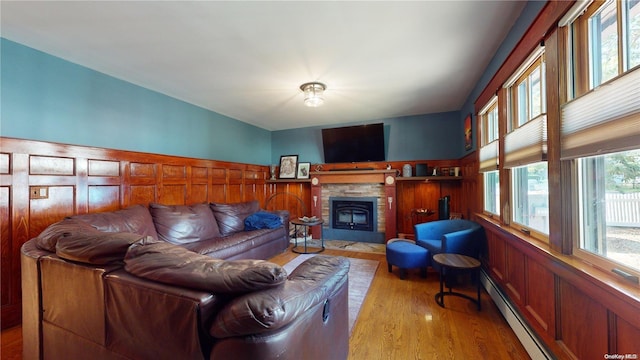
x: 134, y: 285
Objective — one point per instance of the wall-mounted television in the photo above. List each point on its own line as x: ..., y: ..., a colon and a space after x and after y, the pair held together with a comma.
x: 353, y: 143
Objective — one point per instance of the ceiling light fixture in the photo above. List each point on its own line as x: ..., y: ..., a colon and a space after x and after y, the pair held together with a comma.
x: 313, y: 93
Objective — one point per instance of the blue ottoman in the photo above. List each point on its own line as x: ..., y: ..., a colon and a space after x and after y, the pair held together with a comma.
x: 405, y: 254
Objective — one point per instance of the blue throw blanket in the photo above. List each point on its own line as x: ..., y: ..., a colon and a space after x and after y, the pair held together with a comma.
x: 262, y: 220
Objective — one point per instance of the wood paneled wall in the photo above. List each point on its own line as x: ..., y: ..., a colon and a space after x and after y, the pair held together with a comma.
x: 41, y: 183
x: 578, y: 312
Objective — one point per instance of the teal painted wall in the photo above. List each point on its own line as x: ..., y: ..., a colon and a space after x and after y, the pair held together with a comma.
x: 519, y: 28
x: 49, y: 99
x: 432, y: 136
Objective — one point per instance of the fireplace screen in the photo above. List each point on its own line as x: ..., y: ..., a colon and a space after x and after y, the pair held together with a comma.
x: 352, y: 215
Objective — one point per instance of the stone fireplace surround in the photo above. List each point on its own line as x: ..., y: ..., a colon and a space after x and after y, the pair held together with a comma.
x: 368, y: 192
x: 379, y: 184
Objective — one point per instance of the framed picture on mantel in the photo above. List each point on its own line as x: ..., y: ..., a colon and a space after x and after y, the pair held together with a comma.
x: 303, y: 170
x: 288, y: 166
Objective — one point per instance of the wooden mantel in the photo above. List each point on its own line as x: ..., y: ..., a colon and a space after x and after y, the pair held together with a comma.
x: 352, y: 176
x: 386, y: 177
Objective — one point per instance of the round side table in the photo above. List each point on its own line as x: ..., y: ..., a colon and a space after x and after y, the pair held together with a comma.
x: 305, y: 229
x: 457, y: 262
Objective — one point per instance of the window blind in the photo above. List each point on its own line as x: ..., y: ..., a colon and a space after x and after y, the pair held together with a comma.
x: 526, y: 144
x: 605, y: 120
x: 489, y: 157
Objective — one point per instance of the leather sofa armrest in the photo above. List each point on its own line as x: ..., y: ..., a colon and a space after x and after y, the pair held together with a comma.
x: 284, y: 216
x: 151, y: 320
x: 313, y: 282
x: 30, y: 256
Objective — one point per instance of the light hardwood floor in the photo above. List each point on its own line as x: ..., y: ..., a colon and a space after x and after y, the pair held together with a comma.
x: 401, y: 320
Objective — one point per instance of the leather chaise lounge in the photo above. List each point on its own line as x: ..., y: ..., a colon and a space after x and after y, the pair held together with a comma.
x: 178, y: 282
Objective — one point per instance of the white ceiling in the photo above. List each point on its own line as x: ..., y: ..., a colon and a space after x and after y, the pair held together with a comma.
x: 246, y: 60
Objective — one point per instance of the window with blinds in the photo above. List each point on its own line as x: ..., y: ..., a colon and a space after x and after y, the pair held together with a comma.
x: 600, y: 134
x: 525, y: 146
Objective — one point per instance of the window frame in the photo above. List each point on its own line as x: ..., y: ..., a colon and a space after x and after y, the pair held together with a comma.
x: 490, y: 108
x: 578, y: 83
x: 527, y: 229
x: 485, y: 192
x: 600, y: 261
x: 514, y: 93
x: 580, y: 61
x: 534, y: 62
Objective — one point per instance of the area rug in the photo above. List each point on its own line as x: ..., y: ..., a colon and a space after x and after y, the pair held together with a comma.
x: 361, y: 274
x: 344, y: 245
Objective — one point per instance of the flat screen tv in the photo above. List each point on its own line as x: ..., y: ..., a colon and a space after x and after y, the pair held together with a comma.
x: 353, y: 143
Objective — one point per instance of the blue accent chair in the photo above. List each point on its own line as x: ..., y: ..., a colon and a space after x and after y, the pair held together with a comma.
x: 451, y: 236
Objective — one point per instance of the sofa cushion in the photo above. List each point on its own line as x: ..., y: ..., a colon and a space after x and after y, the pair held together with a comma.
x: 309, y: 285
x: 262, y: 220
x: 175, y: 265
x: 256, y: 242
x: 48, y: 239
x: 231, y: 217
x: 97, y: 248
x: 134, y: 219
x: 182, y: 224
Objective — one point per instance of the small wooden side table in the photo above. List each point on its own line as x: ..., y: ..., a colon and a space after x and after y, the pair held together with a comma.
x: 457, y: 262
x: 305, y: 229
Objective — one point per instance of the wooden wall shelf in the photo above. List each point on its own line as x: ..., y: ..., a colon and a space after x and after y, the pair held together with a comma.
x: 288, y: 181
x: 429, y: 178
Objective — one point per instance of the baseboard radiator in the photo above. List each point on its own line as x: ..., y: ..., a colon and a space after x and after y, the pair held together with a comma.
x: 534, y: 347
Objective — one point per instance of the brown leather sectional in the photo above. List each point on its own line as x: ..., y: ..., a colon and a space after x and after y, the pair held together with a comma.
x: 179, y: 282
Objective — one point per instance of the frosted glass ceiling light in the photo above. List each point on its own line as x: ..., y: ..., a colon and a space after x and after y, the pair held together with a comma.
x: 313, y: 93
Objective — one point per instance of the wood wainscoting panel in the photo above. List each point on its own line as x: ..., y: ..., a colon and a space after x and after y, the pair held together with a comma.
x: 199, y: 185
x: 218, y: 191
x: 540, y: 298
x: 5, y: 163
x: 104, y: 198
x: 426, y: 196
x: 234, y: 192
x: 173, y: 194
x: 583, y: 323
x: 9, y: 260
x: 412, y: 195
x: 142, y: 194
x: 174, y: 172
x: 51, y: 165
x: 406, y: 195
x: 497, y: 255
x: 292, y: 196
x: 199, y: 175
x: 627, y: 339
x: 59, y: 204
x: 6, y: 248
x: 143, y: 170
x: 199, y: 193
x: 515, y: 273
x: 104, y: 168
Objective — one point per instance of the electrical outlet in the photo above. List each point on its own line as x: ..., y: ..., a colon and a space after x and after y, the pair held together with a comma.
x: 38, y: 192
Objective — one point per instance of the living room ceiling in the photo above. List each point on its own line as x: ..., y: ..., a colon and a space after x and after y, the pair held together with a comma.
x: 246, y: 60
